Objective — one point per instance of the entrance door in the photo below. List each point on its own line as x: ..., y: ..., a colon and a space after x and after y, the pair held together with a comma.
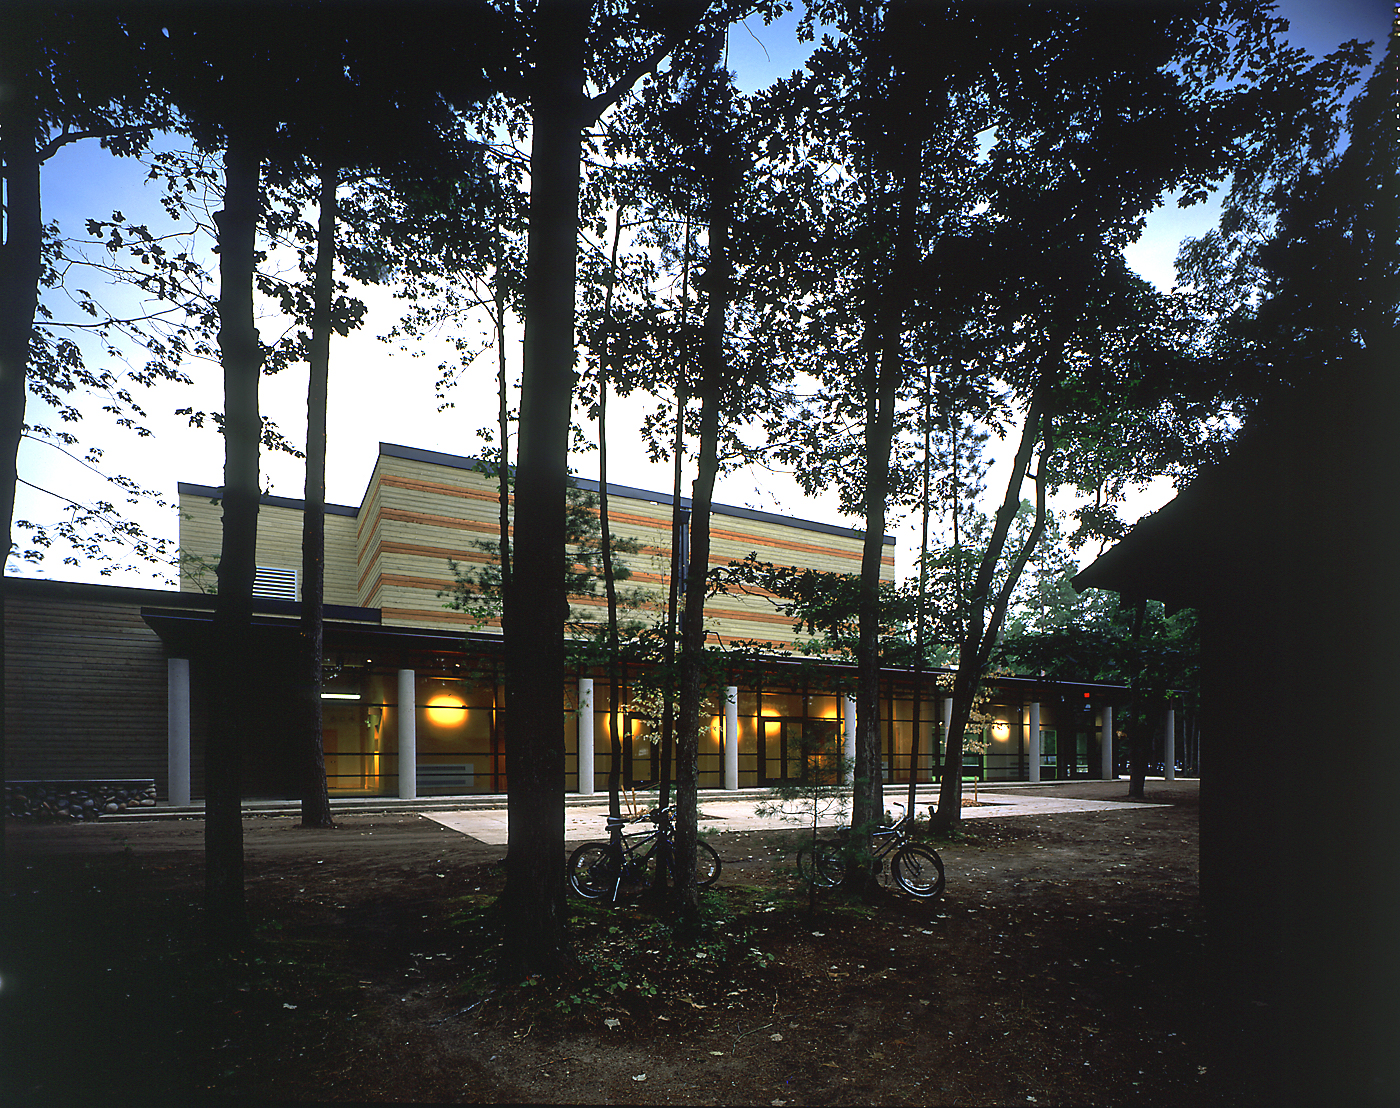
x: 799, y: 750
x: 1049, y: 760
x: 780, y: 758
x: 641, y: 756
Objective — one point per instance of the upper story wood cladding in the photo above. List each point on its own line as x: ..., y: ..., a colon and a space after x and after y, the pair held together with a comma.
x: 423, y: 509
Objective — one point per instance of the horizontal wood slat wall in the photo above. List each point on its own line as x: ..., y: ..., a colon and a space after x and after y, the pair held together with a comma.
x: 422, y: 510
x: 279, y: 545
x: 85, y: 691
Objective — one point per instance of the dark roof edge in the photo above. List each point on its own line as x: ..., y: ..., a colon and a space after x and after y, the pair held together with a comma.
x: 155, y: 599
x: 188, y: 488
x: 455, y: 461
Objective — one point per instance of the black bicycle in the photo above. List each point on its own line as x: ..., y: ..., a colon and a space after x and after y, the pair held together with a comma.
x: 917, y: 868
x: 622, y: 866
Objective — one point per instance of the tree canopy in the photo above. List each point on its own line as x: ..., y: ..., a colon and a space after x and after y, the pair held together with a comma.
x: 905, y: 250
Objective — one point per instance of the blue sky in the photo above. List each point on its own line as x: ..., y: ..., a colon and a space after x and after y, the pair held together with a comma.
x: 379, y: 393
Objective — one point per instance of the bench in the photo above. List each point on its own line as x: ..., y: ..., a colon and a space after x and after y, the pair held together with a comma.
x: 446, y: 776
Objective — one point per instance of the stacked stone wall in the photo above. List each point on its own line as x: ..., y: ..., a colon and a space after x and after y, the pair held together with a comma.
x: 80, y: 800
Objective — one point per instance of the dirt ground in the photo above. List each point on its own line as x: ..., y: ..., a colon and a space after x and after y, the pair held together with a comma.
x: 1063, y: 965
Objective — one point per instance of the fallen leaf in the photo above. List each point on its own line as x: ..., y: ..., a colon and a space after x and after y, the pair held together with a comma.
x: 611, y: 1024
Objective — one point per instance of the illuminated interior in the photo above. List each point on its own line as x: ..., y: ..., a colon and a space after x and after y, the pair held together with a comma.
x: 446, y: 710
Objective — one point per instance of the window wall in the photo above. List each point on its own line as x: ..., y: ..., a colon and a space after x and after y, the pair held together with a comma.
x: 457, y: 724
x: 785, y: 728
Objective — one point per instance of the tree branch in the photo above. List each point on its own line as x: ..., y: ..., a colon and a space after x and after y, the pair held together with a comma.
x: 54, y: 145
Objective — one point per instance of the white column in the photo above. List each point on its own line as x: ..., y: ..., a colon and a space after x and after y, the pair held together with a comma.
x: 850, y: 740
x: 177, y: 728
x: 408, y: 737
x: 586, y: 720
x: 1106, y: 745
x: 731, y: 738
x: 1033, y: 745
x: 1169, y: 747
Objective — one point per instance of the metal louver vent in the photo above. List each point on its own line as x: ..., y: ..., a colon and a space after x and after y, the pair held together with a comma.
x: 273, y: 583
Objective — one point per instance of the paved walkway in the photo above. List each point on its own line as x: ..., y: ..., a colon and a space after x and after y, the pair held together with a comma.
x: 585, y: 821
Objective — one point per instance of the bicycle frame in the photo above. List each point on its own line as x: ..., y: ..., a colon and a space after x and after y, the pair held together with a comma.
x: 886, y: 837
x: 914, y: 867
x: 626, y: 857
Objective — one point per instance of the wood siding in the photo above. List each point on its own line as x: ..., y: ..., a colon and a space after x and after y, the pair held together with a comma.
x: 418, y: 514
x: 279, y: 545
x: 422, y: 511
x: 85, y: 691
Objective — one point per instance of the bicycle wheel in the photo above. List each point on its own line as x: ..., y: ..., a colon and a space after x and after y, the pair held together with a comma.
x: 707, y: 865
x: 821, y: 864
x: 918, y: 870
x: 592, y: 873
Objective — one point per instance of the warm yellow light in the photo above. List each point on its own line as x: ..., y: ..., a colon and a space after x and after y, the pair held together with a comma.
x: 1001, y: 730
x: 446, y: 710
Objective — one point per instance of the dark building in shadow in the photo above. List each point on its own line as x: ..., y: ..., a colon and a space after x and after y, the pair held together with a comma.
x: 1290, y: 552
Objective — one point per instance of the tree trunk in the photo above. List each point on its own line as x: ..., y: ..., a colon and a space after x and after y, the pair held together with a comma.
x: 718, y: 281
x: 919, y: 620
x: 503, y: 420
x: 882, y: 371
x: 868, y: 799
x: 679, y: 522
x: 536, y: 606
x: 692, y: 656
x: 982, y: 628
x: 232, y: 655
x: 605, y: 535
x: 20, y: 270
x: 315, y: 799
x: 503, y: 478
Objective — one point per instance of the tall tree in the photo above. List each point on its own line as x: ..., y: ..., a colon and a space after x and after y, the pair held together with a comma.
x: 69, y: 74
x: 906, y: 133
x: 243, y: 89
x: 533, y: 899
x: 722, y: 174
x: 381, y: 121
x: 698, y: 160
x: 1066, y: 187
x: 315, y: 798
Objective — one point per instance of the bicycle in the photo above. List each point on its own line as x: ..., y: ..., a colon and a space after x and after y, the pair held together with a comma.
x: 621, y: 867
x: 917, y: 868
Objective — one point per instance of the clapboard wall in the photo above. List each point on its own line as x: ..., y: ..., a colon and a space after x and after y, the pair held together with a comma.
x: 279, y: 541
x: 85, y: 684
x: 423, y: 510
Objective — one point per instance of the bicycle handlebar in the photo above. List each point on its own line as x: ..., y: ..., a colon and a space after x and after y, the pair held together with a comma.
x: 654, y: 816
